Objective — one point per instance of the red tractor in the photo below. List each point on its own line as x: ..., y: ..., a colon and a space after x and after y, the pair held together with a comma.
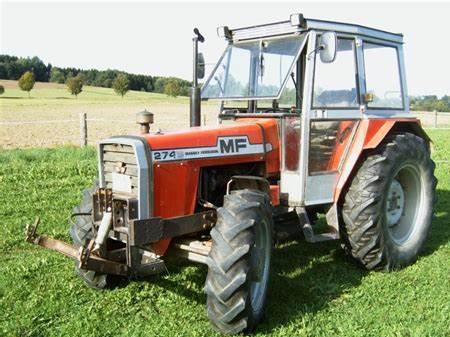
x: 314, y: 120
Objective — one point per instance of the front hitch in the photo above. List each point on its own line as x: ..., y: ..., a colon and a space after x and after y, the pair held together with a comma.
x: 136, y: 259
x: 85, y: 258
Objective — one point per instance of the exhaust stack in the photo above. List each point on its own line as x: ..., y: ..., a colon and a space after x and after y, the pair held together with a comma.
x: 195, y: 99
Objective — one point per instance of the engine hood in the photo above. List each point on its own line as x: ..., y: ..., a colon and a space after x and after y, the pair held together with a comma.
x: 243, y: 137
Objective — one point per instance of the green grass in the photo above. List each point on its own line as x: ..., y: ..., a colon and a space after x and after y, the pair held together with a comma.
x: 315, y: 290
x: 51, y: 95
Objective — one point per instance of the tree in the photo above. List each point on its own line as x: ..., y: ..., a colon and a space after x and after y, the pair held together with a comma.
x: 121, y: 84
x: 56, y: 75
x: 75, y: 85
x: 149, y: 86
x: 26, y: 82
x: 441, y: 106
x: 172, y: 88
x: 2, y: 89
x: 159, y: 85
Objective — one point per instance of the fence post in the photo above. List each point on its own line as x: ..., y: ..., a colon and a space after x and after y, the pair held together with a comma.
x: 435, y: 118
x: 83, y: 129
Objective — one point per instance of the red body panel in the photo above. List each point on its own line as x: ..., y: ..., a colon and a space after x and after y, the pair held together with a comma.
x: 176, y: 182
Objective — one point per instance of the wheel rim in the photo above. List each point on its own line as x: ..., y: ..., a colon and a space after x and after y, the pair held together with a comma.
x: 260, y: 266
x: 404, y: 204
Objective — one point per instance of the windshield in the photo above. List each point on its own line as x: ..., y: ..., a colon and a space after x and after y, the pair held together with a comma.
x: 256, y: 69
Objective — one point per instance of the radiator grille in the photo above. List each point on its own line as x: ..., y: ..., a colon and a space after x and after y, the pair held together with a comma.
x: 120, y: 158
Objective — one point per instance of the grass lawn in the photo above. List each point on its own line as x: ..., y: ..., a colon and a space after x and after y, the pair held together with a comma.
x: 315, y: 289
x: 51, y: 94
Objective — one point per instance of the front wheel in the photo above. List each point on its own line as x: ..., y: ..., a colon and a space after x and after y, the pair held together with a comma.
x: 389, y: 206
x: 82, y: 232
x: 239, y: 262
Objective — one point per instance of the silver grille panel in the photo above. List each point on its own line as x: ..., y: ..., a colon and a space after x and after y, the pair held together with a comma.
x: 120, y: 158
x: 131, y: 157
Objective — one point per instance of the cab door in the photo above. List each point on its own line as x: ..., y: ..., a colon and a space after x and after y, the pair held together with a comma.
x: 331, y: 110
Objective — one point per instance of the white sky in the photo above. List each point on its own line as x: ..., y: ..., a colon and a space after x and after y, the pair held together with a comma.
x: 155, y: 38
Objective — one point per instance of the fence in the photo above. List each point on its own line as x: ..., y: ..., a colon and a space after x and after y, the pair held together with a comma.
x: 83, y: 130
x: 86, y: 130
x: 62, y: 131
x: 433, y: 119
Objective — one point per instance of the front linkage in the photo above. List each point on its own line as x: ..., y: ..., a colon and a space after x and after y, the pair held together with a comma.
x: 131, y: 254
x: 84, y: 257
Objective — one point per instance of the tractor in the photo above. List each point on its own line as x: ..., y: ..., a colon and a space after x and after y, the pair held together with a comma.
x: 313, y: 128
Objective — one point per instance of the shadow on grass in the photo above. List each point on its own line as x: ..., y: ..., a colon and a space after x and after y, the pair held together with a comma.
x: 182, y: 287
x: 307, y: 277
x: 440, y: 229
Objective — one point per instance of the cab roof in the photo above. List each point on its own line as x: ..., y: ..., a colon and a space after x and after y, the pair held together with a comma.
x: 298, y: 23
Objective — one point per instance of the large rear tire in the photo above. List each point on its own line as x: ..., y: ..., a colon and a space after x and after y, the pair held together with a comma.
x: 389, y: 206
x: 239, y: 262
x: 81, y: 231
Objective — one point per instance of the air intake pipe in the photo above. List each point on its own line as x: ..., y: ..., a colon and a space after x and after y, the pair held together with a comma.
x: 198, y: 72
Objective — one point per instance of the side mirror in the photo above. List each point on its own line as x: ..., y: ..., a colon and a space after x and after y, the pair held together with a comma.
x: 328, y: 45
x: 200, y: 66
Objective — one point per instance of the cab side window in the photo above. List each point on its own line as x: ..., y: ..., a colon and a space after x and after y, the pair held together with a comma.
x: 335, y: 83
x: 382, y: 76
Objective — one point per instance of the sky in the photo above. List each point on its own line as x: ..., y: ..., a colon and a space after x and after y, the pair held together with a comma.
x: 156, y: 38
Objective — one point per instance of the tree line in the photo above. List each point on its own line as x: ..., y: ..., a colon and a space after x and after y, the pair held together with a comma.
x: 12, y: 68
x: 430, y: 103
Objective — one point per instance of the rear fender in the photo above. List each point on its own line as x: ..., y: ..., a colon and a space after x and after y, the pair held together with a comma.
x: 370, y: 134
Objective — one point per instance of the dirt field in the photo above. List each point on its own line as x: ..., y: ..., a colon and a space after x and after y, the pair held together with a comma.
x: 51, y: 116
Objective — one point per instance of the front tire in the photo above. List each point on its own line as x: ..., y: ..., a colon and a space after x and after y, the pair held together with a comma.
x: 81, y: 231
x: 389, y: 206
x: 239, y: 262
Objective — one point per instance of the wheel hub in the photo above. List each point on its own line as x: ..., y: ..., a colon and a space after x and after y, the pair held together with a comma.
x: 395, y: 203
x: 404, y: 204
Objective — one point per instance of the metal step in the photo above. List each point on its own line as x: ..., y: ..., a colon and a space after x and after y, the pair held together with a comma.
x: 308, y: 230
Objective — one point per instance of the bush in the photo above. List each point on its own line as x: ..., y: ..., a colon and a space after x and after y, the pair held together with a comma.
x: 75, y: 85
x: 2, y: 89
x: 172, y: 88
x: 120, y: 84
x: 26, y: 82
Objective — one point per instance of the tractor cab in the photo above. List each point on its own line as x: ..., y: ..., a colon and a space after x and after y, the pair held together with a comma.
x: 320, y: 79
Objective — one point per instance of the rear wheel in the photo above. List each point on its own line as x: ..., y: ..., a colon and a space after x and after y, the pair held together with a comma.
x: 388, y: 208
x: 81, y: 231
x: 239, y: 262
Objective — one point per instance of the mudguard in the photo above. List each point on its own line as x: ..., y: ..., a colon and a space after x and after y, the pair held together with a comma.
x: 370, y: 133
